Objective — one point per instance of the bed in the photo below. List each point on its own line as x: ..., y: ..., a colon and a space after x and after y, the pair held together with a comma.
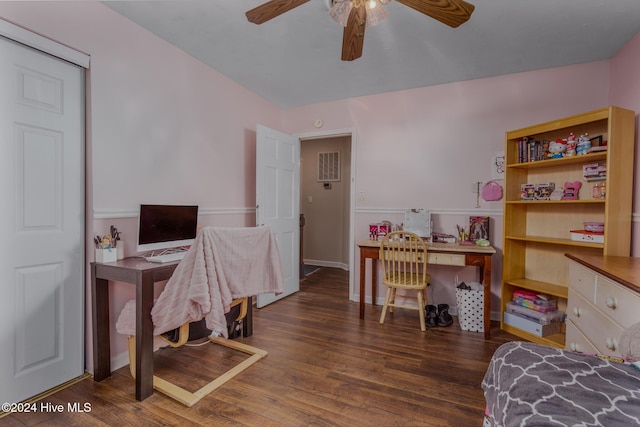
x: 528, y: 384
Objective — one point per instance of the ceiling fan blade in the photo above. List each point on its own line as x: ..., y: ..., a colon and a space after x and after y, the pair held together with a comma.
x: 271, y: 9
x: 450, y: 12
x: 353, y: 36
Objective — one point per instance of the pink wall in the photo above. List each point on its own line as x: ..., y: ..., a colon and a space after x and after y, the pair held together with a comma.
x: 428, y: 145
x: 425, y: 147
x: 161, y: 127
x: 624, y: 87
x: 160, y: 121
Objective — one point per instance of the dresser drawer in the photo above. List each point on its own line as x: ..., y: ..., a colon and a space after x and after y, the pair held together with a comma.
x: 583, y: 280
x: 617, y: 302
x: 603, y: 333
x: 446, y: 259
x: 576, y: 341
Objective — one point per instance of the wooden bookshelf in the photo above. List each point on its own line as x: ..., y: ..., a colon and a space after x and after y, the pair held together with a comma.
x: 537, y: 232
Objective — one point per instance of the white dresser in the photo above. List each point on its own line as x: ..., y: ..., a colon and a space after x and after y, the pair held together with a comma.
x: 604, y: 300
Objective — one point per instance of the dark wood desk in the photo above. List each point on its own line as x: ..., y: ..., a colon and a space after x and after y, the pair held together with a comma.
x: 143, y: 275
x: 438, y: 254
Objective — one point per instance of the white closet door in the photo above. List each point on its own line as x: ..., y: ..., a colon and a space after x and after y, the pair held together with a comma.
x: 41, y: 221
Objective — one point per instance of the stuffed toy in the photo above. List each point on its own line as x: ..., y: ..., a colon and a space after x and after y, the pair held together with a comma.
x: 557, y: 148
x: 630, y: 343
x: 557, y: 194
x: 584, y: 143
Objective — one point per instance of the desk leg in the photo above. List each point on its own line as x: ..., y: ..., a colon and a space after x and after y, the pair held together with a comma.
x: 374, y: 280
x: 100, y: 320
x: 363, y: 270
x: 144, y: 337
x: 486, y: 281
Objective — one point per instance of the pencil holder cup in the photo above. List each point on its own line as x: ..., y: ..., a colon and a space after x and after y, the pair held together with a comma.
x: 106, y: 255
x: 120, y: 251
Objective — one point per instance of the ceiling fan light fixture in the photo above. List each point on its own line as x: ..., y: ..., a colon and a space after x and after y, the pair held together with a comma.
x: 356, y: 15
x: 340, y: 11
x: 375, y: 12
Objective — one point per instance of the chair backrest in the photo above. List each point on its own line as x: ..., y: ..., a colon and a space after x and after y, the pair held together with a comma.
x: 403, y: 256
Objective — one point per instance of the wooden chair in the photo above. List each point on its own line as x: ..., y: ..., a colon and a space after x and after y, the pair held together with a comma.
x: 403, y: 256
x: 184, y: 396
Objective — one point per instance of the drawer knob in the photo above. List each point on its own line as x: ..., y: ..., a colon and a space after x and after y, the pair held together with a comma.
x: 611, y: 344
x: 611, y: 303
x: 576, y: 311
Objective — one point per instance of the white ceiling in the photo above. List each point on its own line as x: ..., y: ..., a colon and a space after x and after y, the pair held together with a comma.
x: 294, y: 59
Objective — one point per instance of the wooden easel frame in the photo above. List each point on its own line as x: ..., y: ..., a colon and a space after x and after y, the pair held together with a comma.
x: 186, y: 397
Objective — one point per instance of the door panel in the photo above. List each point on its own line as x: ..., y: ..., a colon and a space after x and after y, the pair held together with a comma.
x: 38, y: 179
x: 38, y: 310
x: 278, y: 201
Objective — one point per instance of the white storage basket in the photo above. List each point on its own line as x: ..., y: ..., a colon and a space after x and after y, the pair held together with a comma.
x: 470, y: 309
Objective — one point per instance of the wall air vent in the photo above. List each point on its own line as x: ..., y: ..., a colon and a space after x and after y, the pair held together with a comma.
x: 329, y: 167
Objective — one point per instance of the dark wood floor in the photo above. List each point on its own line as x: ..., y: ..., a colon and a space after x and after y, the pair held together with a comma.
x: 325, y: 367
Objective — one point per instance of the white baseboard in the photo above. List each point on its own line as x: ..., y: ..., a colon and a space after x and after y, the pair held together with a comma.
x: 119, y: 360
x: 122, y: 359
x: 331, y: 264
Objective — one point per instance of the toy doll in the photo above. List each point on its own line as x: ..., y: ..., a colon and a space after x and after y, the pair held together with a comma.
x: 571, y: 146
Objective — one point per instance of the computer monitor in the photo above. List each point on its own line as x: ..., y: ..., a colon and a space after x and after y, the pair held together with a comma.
x: 166, y: 226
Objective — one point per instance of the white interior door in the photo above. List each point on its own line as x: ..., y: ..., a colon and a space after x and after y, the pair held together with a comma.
x: 41, y: 221
x: 278, y: 201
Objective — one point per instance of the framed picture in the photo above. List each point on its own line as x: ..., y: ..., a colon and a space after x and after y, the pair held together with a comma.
x: 478, y: 228
x: 596, y: 141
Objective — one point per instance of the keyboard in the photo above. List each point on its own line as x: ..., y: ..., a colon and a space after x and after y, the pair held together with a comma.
x: 176, y: 256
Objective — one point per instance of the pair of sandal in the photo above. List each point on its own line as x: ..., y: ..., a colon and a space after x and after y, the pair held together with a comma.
x: 438, y: 316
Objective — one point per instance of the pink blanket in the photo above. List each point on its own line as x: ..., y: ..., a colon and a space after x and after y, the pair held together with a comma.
x: 221, y: 265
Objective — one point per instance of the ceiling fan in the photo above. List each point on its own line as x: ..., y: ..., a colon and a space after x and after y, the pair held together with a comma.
x: 356, y: 15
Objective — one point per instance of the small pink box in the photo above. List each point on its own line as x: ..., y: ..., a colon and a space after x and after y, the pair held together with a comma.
x: 594, y: 226
x: 379, y: 230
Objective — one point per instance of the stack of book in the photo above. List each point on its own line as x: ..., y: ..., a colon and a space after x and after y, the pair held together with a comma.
x: 532, y: 150
x: 594, y: 172
x: 535, y: 313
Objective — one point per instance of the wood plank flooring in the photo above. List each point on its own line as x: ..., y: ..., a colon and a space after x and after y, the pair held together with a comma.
x: 325, y: 367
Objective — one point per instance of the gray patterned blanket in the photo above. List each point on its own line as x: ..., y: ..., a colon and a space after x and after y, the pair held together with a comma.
x: 532, y: 385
